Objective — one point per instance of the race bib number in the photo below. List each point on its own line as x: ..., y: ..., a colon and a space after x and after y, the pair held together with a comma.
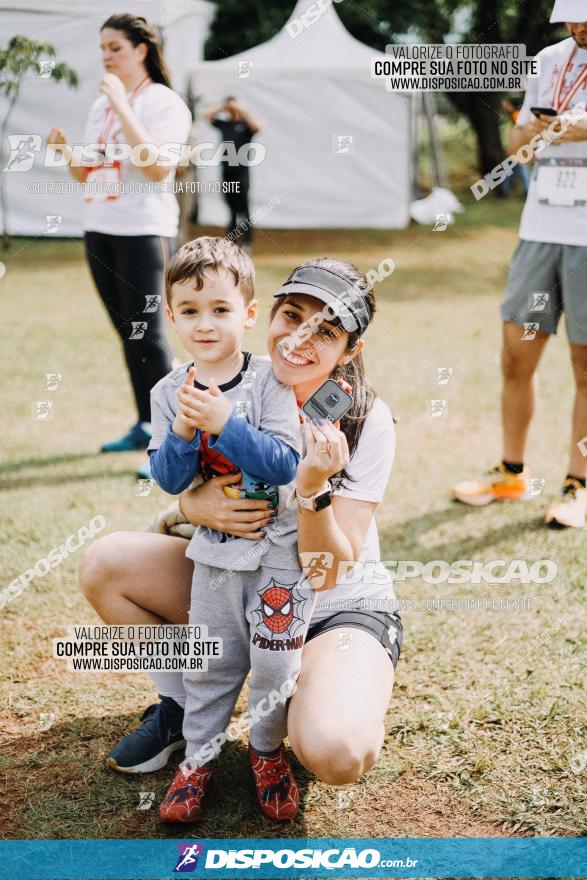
x: 103, y: 183
x: 561, y: 182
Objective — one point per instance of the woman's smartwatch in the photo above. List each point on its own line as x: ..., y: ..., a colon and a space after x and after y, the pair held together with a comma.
x: 316, y: 502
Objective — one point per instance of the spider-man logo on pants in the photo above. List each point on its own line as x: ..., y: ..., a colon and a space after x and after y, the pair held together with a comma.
x: 280, y: 611
x: 277, y: 608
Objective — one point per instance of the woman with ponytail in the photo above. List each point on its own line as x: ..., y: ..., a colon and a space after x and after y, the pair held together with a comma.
x: 130, y: 213
x: 336, y: 715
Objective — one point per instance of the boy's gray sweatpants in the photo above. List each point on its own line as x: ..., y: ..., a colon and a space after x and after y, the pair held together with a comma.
x: 262, y: 617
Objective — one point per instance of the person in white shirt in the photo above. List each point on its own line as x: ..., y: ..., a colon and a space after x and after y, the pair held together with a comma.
x: 547, y: 272
x: 130, y: 213
x: 336, y: 716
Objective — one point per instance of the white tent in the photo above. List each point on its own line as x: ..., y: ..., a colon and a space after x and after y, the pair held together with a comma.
x: 72, y: 27
x: 311, y: 92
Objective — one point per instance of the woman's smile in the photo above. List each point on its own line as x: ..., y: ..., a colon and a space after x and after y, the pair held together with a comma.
x: 294, y: 358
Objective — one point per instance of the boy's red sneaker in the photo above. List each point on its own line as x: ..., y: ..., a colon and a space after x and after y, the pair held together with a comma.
x: 183, y: 801
x: 277, y: 790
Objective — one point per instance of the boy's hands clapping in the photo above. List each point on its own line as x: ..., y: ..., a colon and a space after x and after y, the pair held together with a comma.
x: 200, y: 410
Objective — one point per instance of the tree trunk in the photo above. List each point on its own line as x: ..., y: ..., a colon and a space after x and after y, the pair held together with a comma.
x: 481, y: 109
x: 3, y: 205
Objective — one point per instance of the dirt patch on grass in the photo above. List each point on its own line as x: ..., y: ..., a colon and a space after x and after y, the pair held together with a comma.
x: 60, y: 787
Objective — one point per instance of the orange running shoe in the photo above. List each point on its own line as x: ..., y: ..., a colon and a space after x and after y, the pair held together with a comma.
x: 570, y: 510
x: 498, y: 484
x: 277, y: 790
x: 183, y: 801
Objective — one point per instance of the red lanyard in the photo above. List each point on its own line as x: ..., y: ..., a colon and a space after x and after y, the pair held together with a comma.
x: 109, y: 118
x: 561, y: 103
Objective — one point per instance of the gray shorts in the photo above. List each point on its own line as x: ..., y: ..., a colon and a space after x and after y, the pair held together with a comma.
x: 544, y: 281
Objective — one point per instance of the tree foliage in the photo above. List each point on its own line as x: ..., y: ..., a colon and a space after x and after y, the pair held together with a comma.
x: 242, y: 24
x: 21, y: 57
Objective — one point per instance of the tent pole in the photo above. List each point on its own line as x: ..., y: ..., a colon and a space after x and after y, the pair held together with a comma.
x: 439, y: 174
x: 415, y: 112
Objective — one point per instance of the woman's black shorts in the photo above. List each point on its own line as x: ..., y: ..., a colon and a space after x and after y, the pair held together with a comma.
x: 386, y: 628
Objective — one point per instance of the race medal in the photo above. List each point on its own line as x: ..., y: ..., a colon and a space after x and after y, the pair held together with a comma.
x: 561, y: 182
x: 103, y: 183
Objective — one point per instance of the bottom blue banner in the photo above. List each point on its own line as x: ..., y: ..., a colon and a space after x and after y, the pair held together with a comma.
x: 293, y: 858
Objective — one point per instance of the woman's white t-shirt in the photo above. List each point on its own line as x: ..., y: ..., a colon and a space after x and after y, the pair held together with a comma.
x: 145, y: 207
x: 367, y: 585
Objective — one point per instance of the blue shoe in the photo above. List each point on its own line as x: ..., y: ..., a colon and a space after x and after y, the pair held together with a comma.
x: 144, y: 471
x: 137, y: 438
x: 149, y: 747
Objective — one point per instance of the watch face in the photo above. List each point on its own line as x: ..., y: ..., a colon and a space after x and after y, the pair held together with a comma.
x: 322, y: 501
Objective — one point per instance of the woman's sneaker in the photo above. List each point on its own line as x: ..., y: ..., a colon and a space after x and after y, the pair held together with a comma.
x: 183, y: 801
x: 149, y: 747
x: 277, y: 790
x: 570, y: 510
x: 135, y: 439
x: 498, y: 484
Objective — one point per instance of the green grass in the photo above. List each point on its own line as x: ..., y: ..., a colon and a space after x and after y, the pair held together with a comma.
x: 475, y: 746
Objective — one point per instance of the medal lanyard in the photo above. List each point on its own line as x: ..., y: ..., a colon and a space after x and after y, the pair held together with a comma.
x: 109, y: 118
x: 561, y: 103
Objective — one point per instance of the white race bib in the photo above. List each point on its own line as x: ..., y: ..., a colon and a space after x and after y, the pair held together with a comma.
x: 561, y: 182
x: 103, y: 183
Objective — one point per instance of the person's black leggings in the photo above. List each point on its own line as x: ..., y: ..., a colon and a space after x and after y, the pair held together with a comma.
x: 238, y: 203
x: 128, y: 272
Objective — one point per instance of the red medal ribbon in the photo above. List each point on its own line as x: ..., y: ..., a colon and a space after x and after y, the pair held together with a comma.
x: 561, y: 103
x: 109, y: 118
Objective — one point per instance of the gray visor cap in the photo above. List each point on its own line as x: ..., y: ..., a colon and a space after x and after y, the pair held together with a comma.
x: 342, y: 296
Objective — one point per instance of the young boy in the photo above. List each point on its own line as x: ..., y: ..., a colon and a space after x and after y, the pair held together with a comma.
x: 222, y: 413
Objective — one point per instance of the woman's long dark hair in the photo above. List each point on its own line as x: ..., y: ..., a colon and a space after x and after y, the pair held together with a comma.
x: 363, y: 392
x: 138, y: 30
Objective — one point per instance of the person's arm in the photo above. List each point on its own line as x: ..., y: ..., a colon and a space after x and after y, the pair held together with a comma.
x: 576, y: 131
x: 266, y: 452
x: 251, y: 121
x: 562, y: 129
x: 173, y: 450
x: 135, y: 132
x: 269, y: 451
x: 527, y: 125
x: 520, y: 135
x: 339, y: 529
x: 207, y: 505
x: 269, y: 458
x: 58, y: 143
x: 176, y: 462
x: 210, y: 115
